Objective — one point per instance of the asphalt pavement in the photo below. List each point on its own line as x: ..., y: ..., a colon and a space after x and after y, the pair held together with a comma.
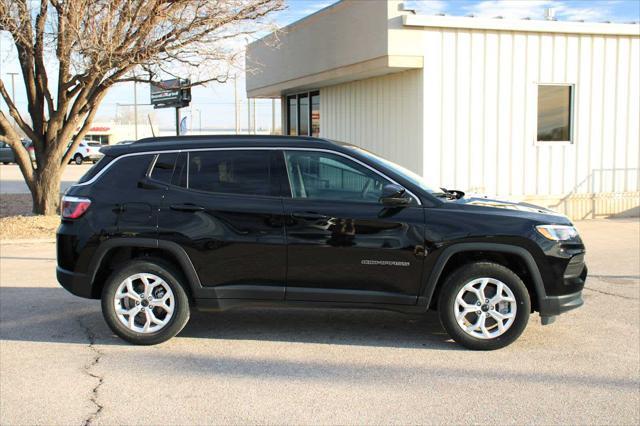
x: 59, y: 363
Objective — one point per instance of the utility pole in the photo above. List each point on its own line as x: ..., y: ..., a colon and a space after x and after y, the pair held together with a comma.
x: 177, y: 121
x: 135, y: 107
x: 13, y: 86
x: 253, y: 115
x: 237, y: 107
x: 248, y: 116
x: 13, y: 93
x: 273, y: 116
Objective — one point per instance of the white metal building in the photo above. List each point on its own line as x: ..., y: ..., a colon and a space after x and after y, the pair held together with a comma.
x: 544, y: 111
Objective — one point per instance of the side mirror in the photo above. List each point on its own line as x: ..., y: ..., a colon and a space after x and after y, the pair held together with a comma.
x: 394, y: 195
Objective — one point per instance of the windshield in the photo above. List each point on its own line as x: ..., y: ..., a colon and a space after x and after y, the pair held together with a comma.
x: 407, y: 174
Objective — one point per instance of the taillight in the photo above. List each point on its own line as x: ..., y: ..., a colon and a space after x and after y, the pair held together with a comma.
x: 30, y: 149
x: 74, y: 207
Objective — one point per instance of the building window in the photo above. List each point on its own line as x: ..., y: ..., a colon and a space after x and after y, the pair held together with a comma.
x: 315, y: 114
x: 103, y: 139
x: 303, y: 114
x: 303, y: 101
x: 555, y: 113
x: 292, y: 115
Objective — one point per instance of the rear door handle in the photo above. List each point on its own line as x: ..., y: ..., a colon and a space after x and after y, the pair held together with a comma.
x: 186, y: 207
x: 309, y: 215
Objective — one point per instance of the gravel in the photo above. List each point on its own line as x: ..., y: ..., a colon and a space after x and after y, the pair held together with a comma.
x: 17, y: 222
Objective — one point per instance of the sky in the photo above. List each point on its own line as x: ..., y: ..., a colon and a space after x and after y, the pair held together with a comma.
x: 213, y: 106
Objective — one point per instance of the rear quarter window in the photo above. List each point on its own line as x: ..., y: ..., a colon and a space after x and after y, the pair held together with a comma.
x: 95, y: 169
x: 126, y: 172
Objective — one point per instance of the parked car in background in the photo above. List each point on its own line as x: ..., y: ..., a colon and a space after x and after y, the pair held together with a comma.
x: 87, y: 151
x: 7, y: 156
x: 166, y: 225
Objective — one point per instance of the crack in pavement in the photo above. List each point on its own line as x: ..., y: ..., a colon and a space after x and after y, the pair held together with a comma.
x: 610, y: 294
x: 91, y: 337
x: 616, y: 277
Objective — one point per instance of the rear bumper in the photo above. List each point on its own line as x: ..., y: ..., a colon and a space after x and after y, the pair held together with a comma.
x: 75, y: 283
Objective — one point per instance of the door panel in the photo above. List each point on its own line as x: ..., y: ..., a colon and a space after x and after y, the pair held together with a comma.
x: 235, y: 241
x: 343, y: 245
x: 354, y: 252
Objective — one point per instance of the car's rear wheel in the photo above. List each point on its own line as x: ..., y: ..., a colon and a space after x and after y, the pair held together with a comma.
x: 144, y: 303
x: 78, y: 159
x: 484, y: 306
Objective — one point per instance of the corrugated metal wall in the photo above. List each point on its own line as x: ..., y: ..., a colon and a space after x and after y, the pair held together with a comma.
x: 480, y: 106
x: 381, y: 114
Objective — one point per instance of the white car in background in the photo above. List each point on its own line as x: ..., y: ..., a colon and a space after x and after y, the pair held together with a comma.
x: 87, y: 151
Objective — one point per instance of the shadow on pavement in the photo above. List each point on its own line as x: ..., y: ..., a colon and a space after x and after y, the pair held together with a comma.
x: 371, y: 371
x: 53, y: 315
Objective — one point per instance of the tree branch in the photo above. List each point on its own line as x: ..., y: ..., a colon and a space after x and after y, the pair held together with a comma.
x: 21, y: 154
x: 13, y: 111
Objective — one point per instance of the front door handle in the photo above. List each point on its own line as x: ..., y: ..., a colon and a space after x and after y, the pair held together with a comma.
x: 186, y: 207
x: 309, y: 215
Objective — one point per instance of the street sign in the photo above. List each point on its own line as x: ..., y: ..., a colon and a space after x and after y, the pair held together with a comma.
x: 173, y: 93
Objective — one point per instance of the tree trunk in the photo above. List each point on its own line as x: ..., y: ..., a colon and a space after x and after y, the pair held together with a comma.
x: 46, y: 191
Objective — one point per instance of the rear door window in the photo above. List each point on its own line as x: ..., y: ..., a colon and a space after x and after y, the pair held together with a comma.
x: 171, y: 168
x: 163, y: 168
x: 238, y: 172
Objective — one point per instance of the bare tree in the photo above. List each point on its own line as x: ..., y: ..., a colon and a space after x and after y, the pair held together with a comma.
x: 71, y: 52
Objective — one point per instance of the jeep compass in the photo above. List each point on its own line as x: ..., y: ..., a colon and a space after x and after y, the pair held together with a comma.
x: 165, y: 225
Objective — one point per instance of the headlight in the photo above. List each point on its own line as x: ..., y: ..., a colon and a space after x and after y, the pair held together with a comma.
x: 557, y: 232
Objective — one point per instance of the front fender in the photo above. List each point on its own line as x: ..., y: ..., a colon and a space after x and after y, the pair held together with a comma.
x: 448, y: 252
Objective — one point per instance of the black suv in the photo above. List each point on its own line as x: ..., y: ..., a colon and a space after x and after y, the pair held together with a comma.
x: 165, y: 224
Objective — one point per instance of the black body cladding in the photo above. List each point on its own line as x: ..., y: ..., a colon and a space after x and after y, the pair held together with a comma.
x: 221, y: 210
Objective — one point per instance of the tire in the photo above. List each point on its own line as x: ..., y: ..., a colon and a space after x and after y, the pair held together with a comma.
x: 5, y: 162
x: 78, y: 159
x: 513, y: 306
x: 168, y: 278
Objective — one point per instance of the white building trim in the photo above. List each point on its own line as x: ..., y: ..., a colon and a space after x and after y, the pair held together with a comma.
x: 524, y: 25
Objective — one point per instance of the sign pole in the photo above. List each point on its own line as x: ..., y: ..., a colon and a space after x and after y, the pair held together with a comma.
x: 177, y: 121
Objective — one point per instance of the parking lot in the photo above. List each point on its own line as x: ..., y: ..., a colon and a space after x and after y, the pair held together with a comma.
x: 12, y: 182
x: 61, y: 365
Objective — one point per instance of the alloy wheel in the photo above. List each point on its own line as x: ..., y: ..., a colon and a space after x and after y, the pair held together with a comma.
x: 144, y: 303
x: 485, y: 308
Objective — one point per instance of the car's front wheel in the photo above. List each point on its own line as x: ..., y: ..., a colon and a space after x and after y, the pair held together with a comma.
x: 144, y: 303
x: 484, y: 306
x: 78, y: 159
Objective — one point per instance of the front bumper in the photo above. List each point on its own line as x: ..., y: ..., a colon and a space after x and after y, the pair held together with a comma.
x: 74, y: 282
x: 556, y: 305
x: 574, y: 278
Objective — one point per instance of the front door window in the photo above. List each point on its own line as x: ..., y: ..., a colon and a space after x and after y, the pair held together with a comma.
x: 326, y: 176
